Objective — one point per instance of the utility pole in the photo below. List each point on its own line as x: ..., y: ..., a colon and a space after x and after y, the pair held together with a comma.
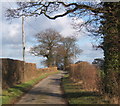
x: 23, y: 46
x: 23, y: 39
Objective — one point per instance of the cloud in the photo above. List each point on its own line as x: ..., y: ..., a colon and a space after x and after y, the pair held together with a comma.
x: 89, y: 53
x: 62, y: 25
x: 12, y: 36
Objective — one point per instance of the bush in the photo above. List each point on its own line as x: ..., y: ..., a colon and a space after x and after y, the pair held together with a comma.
x: 86, y: 74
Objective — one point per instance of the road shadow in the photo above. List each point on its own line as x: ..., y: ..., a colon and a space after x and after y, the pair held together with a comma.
x: 45, y: 93
x: 82, y: 94
x: 40, y: 91
x: 25, y: 90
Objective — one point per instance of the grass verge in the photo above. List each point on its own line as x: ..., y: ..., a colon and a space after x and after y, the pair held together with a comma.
x: 10, y: 95
x: 75, y: 94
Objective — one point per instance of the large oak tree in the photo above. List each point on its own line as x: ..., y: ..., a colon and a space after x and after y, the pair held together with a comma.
x: 48, y: 41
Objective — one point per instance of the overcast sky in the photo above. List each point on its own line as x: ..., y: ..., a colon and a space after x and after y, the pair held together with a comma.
x: 11, y: 36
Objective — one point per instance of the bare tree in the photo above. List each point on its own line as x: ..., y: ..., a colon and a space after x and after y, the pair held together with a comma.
x: 48, y: 41
x: 57, y: 49
x: 67, y: 50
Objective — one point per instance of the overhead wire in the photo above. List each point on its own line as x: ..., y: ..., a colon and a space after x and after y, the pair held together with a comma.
x: 11, y: 5
x: 34, y: 28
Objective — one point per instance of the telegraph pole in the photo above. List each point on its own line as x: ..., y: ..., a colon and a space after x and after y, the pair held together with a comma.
x: 23, y: 39
x: 23, y: 46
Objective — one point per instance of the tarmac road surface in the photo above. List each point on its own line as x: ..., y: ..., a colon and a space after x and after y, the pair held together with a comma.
x: 47, y: 91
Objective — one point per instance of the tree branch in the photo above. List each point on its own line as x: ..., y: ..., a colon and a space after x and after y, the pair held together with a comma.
x: 24, y: 9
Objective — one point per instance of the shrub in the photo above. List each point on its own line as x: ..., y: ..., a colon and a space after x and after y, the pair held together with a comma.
x: 86, y: 74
